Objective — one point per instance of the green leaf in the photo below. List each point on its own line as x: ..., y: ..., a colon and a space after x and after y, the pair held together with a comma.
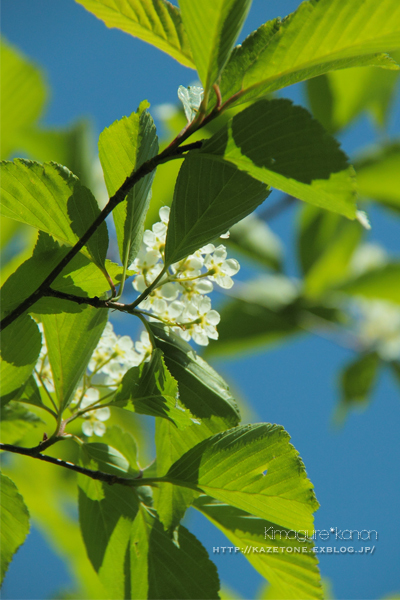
x: 157, y: 22
x: 255, y: 240
x: 106, y: 514
x: 14, y: 519
x: 32, y: 394
x: 378, y: 174
x: 52, y: 199
x: 54, y: 518
x: 123, y: 148
x: 205, y: 394
x: 212, y: 27
x: 210, y: 196
x: 381, y: 283
x: 124, y: 442
x: 71, y: 339
x: 151, y: 390
x: 20, y: 348
x: 357, y: 380
x: 318, y: 37
x: 80, y: 278
x: 23, y: 94
x: 339, y: 97
x: 201, y: 389
x: 283, y: 558
x: 282, y: 145
x: 16, y: 421
x: 265, y: 310
x: 255, y: 469
x: 70, y: 146
x: 165, y: 568
x: 128, y: 546
x: 317, y: 230
x: 332, y: 264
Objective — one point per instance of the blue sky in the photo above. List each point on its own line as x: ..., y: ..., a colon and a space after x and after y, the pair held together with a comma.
x: 105, y: 74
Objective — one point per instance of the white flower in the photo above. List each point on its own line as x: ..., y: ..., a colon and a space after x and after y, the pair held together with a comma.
x: 199, y: 321
x: 378, y: 327
x: 220, y: 269
x: 144, y: 346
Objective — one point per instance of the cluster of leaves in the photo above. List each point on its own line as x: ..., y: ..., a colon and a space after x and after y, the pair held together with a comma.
x: 243, y: 478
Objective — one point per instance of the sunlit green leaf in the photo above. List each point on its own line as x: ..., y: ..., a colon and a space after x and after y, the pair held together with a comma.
x: 151, y: 390
x: 210, y: 196
x: 16, y: 420
x: 14, y: 519
x: 339, y: 97
x: 123, y: 147
x: 378, y: 176
x: 80, y: 277
x: 20, y: 348
x: 282, y: 145
x: 71, y: 339
x: 50, y: 198
x: 286, y: 561
x: 154, y: 21
x: 318, y: 37
x: 23, y: 94
x: 212, y: 27
x: 331, y: 265
x: 381, y: 283
x: 255, y: 469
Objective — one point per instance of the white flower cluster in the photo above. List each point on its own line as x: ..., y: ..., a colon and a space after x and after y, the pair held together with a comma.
x: 378, y: 327
x: 180, y: 298
x: 112, y: 358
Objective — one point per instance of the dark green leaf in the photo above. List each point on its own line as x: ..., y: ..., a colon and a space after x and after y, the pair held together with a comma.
x: 151, y: 390
x: 71, y: 339
x: 281, y: 556
x: 318, y: 37
x: 106, y: 514
x: 204, y: 393
x: 16, y: 421
x: 255, y: 469
x: 123, y: 148
x: 20, y: 348
x: 14, y: 519
x: 165, y: 568
x: 357, y: 380
x: 50, y: 198
x: 210, y: 196
x: 283, y: 146
x: 212, y: 27
x: 154, y: 21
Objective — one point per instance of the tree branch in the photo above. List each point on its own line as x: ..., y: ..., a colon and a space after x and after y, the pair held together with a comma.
x: 173, y: 151
x: 99, y: 475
